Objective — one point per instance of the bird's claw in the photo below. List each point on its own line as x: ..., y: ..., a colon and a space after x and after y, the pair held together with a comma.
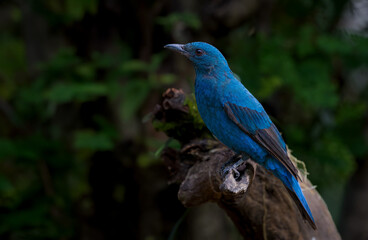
x: 231, y: 167
x: 236, y: 174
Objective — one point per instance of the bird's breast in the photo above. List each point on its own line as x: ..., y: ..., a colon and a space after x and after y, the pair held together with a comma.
x: 207, y: 91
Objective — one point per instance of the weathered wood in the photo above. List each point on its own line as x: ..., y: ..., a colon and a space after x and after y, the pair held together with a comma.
x: 257, y: 202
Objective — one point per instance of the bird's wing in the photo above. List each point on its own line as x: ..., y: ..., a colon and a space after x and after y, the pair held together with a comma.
x: 259, y: 127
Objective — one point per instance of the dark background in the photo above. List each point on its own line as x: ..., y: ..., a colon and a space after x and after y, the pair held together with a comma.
x: 79, y: 156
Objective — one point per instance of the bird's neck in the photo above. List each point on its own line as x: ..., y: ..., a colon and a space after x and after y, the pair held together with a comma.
x: 211, y: 70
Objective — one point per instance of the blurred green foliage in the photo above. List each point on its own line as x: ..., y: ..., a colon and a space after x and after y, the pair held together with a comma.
x: 55, y: 118
x: 44, y: 146
x: 66, y: 12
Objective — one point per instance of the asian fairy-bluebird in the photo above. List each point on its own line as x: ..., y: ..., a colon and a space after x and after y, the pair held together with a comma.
x: 238, y: 120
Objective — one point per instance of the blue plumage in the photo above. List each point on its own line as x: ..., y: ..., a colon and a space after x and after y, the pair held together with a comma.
x: 237, y: 119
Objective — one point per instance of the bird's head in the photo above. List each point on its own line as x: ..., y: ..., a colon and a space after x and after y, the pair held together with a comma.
x: 203, y: 55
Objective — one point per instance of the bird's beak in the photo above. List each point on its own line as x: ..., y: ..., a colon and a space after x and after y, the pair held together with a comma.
x: 177, y: 48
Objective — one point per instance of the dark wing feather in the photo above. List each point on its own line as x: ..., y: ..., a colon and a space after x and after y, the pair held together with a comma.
x: 259, y: 127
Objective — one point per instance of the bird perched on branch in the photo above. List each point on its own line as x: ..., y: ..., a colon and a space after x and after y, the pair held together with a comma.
x: 238, y: 120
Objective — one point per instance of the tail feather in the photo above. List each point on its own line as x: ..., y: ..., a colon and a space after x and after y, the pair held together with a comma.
x: 298, y: 197
x: 305, y: 212
x: 293, y: 187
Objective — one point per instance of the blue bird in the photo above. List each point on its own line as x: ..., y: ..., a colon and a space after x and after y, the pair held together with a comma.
x: 238, y: 120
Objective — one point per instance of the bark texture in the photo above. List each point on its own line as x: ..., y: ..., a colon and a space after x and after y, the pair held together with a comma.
x: 257, y: 202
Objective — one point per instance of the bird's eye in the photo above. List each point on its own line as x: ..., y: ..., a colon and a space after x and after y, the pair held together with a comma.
x: 199, y: 52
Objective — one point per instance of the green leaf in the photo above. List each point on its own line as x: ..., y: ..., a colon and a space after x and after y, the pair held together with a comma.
x: 7, y: 148
x: 155, y: 62
x: 189, y: 19
x: 333, y: 45
x: 134, y: 94
x: 86, y: 71
x: 269, y: 86
x: 89, y: 139
x: 305, y: 45
x: 77, y: 9
x: 145, y: 160
x: 315, y: 87
x: 172, y: 143
x: 33, y: 217
x: 166, y: 78
x: 81, y: 92
x: 12, y: 63
x: 134, y: 66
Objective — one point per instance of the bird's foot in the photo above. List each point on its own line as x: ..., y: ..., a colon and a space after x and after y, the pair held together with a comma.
x: 232, y: 165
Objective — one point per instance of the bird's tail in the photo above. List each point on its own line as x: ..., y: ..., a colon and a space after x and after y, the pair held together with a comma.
x: 296, y: 194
